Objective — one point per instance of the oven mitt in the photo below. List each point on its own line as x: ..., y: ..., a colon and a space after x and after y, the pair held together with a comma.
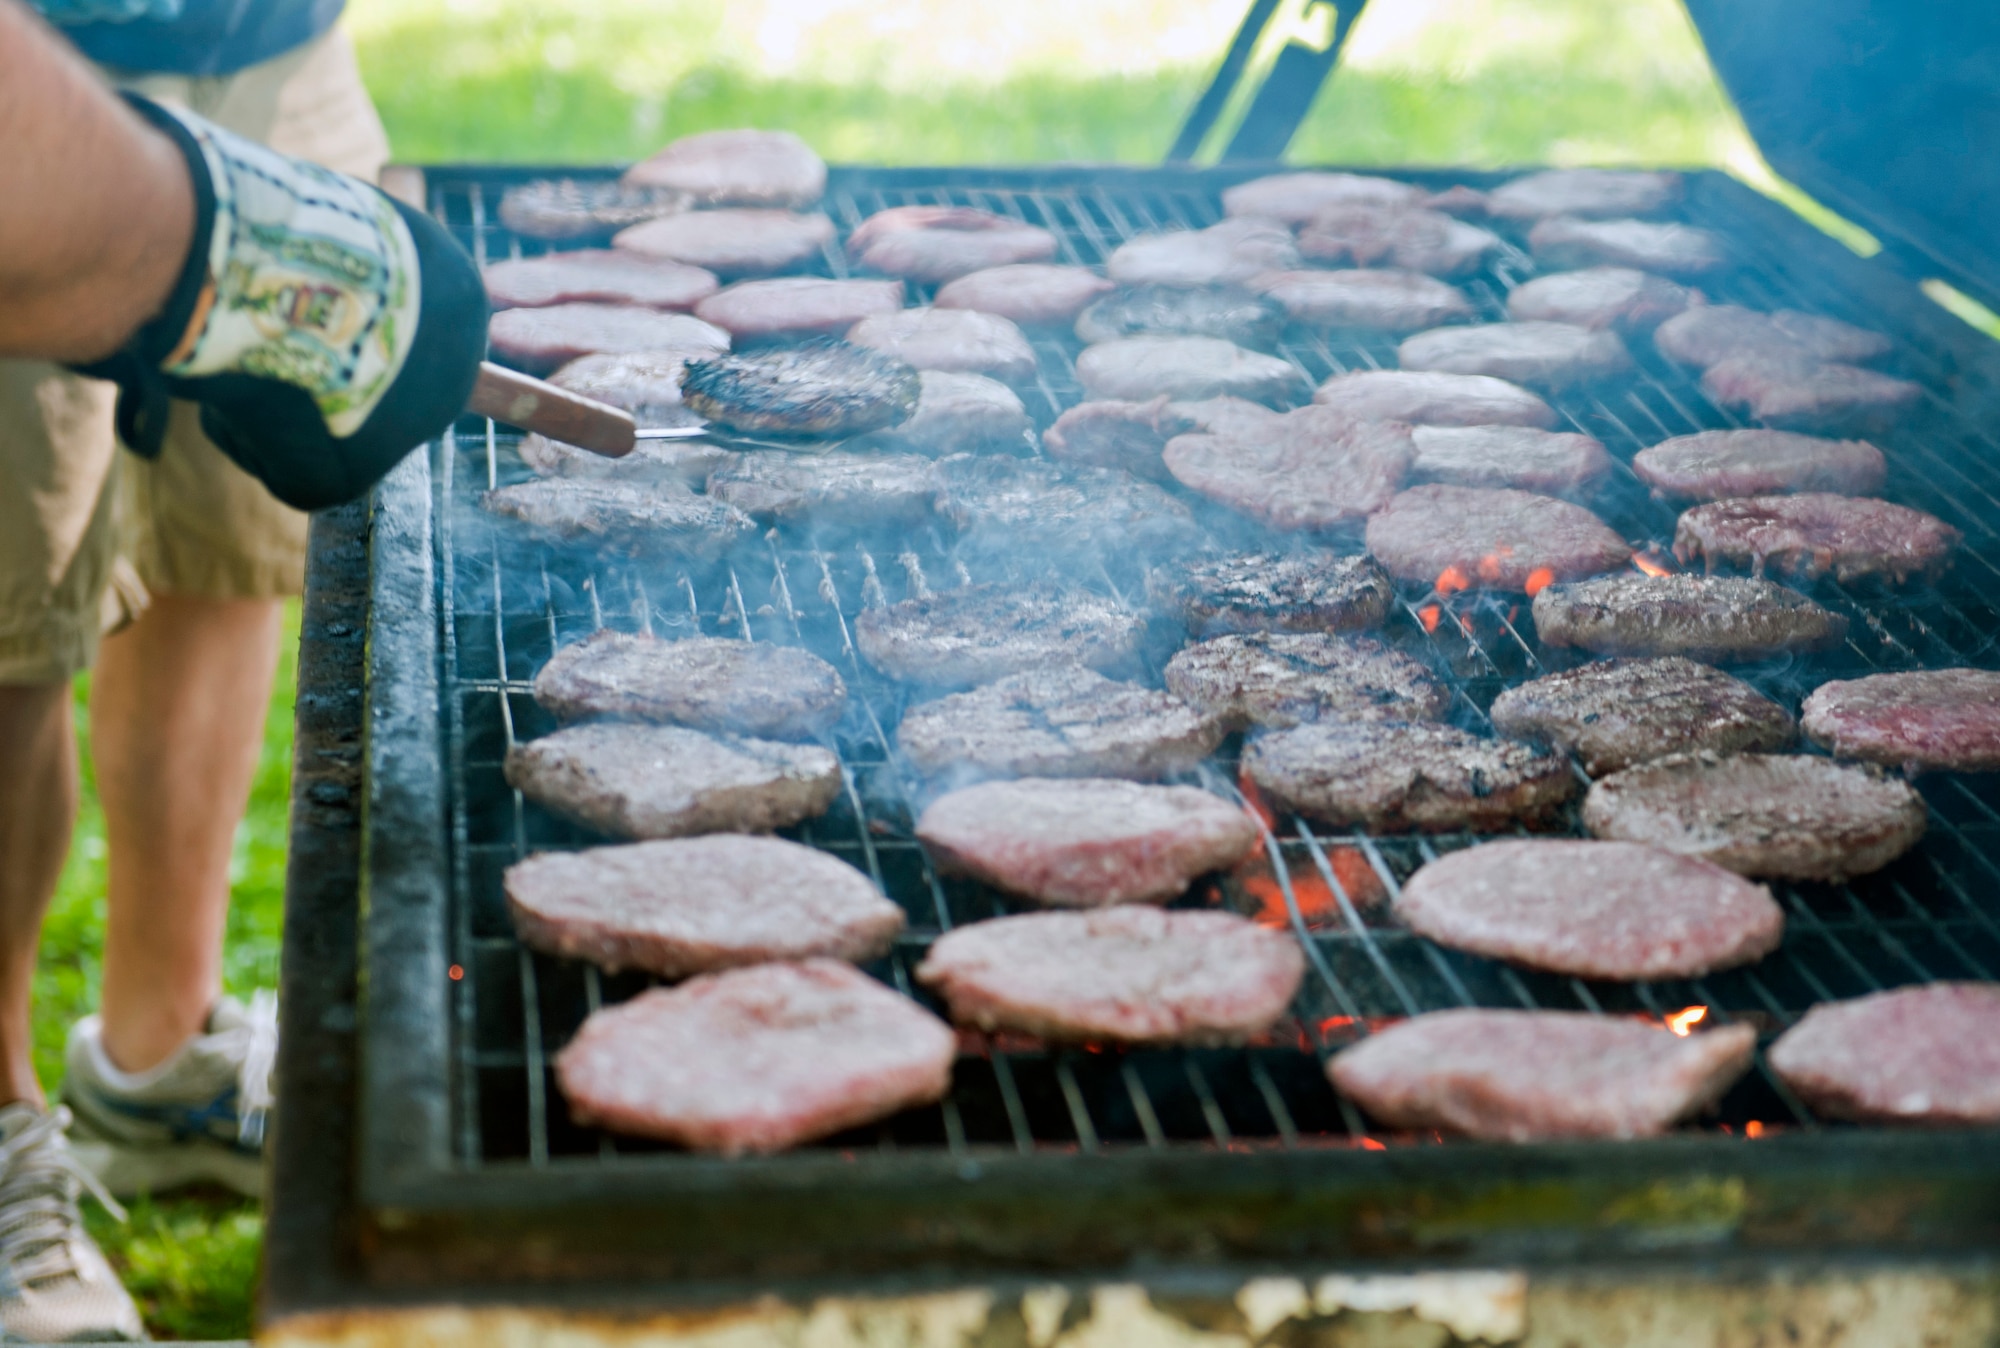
x: 324, y: 328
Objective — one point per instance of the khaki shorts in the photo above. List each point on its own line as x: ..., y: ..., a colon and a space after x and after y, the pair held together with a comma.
x: 86, y: 532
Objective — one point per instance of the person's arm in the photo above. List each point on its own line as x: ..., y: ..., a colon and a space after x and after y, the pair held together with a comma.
x: 96, y: 210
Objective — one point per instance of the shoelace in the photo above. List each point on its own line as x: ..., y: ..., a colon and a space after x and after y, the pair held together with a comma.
x: 260, y: 1056
x: 39, y: 1182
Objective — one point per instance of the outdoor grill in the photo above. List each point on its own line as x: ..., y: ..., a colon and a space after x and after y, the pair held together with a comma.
x: 437, y: 1162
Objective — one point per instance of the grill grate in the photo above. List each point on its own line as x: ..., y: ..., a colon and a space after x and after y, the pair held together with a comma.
x: 509, y: 604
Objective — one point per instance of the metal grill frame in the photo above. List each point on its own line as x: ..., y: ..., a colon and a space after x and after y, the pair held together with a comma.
x: 701, y: 1229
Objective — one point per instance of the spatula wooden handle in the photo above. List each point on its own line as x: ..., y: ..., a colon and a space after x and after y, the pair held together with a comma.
x: 535, y: 405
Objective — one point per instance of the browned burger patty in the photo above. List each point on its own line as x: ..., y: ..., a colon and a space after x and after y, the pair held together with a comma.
x: 1395, y: 776
x: 1709, y: 334
x: 1006, y: 506
x: 1287, y: 678
x: 790, y: 305
x: 1138, y: 368
x: 1928, y: 1055
x: 1503, y: 540
x: 832, y: 490
x: 1788, y: 816
x: 821, y: 387
x: 1085, y: 843
x: 695, y: 905
x: 940, y: 243
x: 755, y: 1060
x: 709, y: 683
x: 1808, y: 395
x: 1429, y: 399
x: 732, y: 242
x: 1033, y: 294
x: 1615, y: 713
x: 981, y: 632
x: 1229, y: 312
x: 1128, y: 974
x: 595, y: 275
x: 1058, y: 721
x: 1547, y: 355
x: 646, y: 781
x: 1610, y: 910
x: 1925, y: 719
x: 1314, y: 468
x: 1618, y: 298
x: 950, y: 339
x: 1295, y: 198
x: 1413, y: 238
x: 1528, y: 1076
x: 637, y: 518
x: 736, y: 168
x: 1307, y: 591
x: 1717, y: 465
x: 1702, y: 617
x: 959, y: 413
x: 539, y: 340
x: 1812, y: 533
x: 1550, y: 462
x: 1228, y: 253
x: 1594, y: 193
x: 572, y: 209
x: 1389, y: 301
x: 1671, y: 250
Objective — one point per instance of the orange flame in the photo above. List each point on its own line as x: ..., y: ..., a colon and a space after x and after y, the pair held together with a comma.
x: 1370, y: 1144
x: 1649, y: 566
x: 1754, y: 1128
x: 1428, y: 615
x: 1258, y: 805
x: 1316, y: 899
x: 1682, y: 1022
x: 1539, y: 579
x: 1453, y: 579
x: 1491, y: 563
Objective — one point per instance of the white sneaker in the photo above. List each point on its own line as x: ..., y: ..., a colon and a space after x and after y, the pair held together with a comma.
x: 55, y: 1284
x: 198, y: 1117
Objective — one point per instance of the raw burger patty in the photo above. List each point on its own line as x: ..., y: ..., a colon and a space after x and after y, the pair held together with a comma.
x: 798, y: 304
x: 1394, y: 776
x: 568, y: 209
x: 640, y: 519
x: 1007, y: 506
x: 1527, y: 1076
x: 1287, y: 678
x: 1390, y: 301
x: 1060, y: 721
x: 1549, y: 355
x: 1409, y: 237
x: 644, y: 781
x: 1495, y: 538
x: 1672, y: 250
x: 657, y: 463
x: 834, y: 490
x: 1945, y: 719
x: 1229, y: 312
x: 981, y: 632
x: 1617, y: 298
x: 1308, y: 591
x: 1431, y: 399
x: 1138, y: 368
x: 1133, y: 975
x: 959, y: 413
x: 735, y: 242
x: 1225, y: 254
x: 1033, y: 294
x: 1314, y: 468
x: 1610, y: 910
x: 694, y: 905
x: 1550, y: 462
x: 1596, y: 193
x: 736, y: 168
x: 950, y: 339
x: 1709, y: 334
x: 939, y: 243
x: 1915, y: 1055
x: 1808, y: 395
x: 709, y: 683
x: 1703, y: 617
x: 1085, y: 843
x: 1716, y: 465
x: 1615, y: 713
x: 1787, y: 816
x: 821, y: 387
x: 1133, y: 435
x: 1815, y: 532
x: 1295, y: 198
x: 756, y: 1060
x: 602, y: 275
x: 539, y: 340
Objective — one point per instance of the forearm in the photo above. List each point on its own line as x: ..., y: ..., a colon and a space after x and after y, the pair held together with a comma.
x: 96, y: 210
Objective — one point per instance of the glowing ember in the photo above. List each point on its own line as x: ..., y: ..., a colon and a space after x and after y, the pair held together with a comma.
x: 1370, y: 1144
x: 1539, y: 579
x: 1754, y: 1128
x: 1452, y: 580
x: 1683, y: 1022
x: 1317, y: 902
x: 1428, y: 616
x: 1254, y: 798
x: 1336, y: 1024
x: 1651, y: 565
x: 1490, y: 564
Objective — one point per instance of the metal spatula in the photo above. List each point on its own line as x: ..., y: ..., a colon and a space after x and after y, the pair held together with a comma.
x: 532, y: 404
